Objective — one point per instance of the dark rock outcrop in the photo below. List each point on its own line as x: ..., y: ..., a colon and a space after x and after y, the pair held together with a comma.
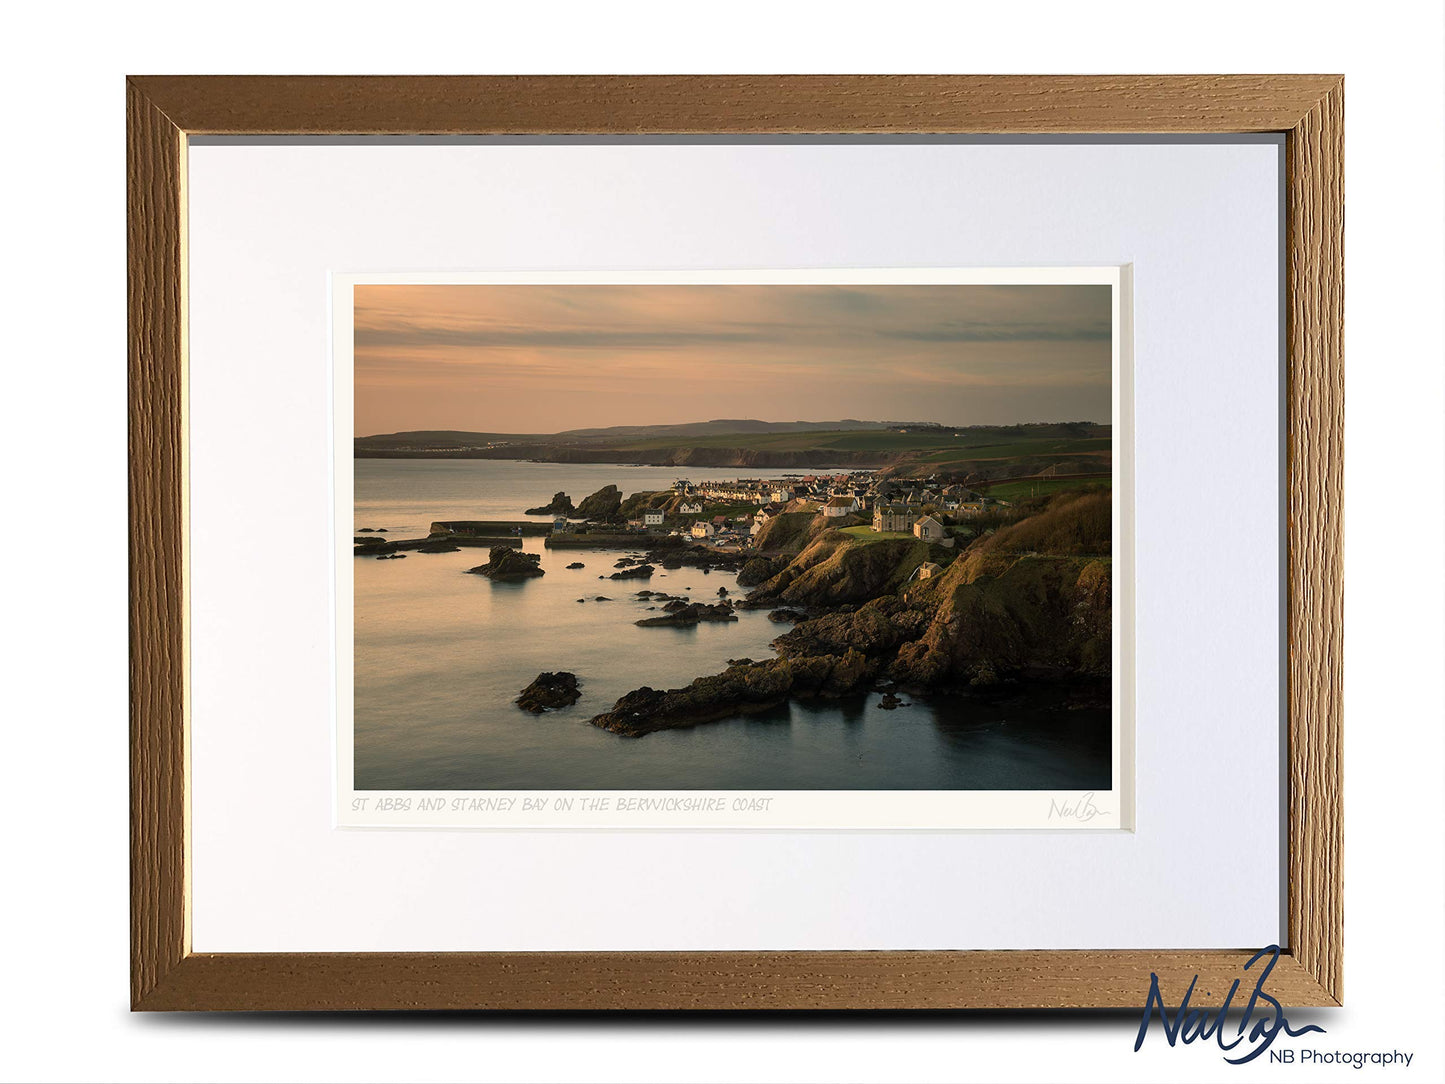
x: 756, y: 571
x: 507, y: 563
x: 560, y: 505
x: 576, y: 564
x: 743, y: 687
x: 604, y: 504
x: 877, y: 629
x: 784, y: 616
x: 637, y: 572
x: 549, y: 692
x: 680, y: 614
x: 441, y: 545
x: 697, y: 557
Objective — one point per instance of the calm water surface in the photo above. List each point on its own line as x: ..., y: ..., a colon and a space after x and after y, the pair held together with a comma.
x: 441, y: 655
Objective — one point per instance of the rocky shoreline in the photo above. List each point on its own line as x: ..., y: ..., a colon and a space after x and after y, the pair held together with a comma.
x: 681, y: 614
x: 560, y: 505
x: 1025, y: 604
x: 996, y: 618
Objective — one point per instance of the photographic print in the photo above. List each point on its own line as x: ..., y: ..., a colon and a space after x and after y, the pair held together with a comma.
x: 730, y: 552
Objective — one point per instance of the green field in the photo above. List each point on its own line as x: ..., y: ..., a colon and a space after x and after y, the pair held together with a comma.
x: 730, y: 509
x: 868, y: 534
x: 981, y: 443
x: 1016, y: 449
x: 1037, y: 487
x: 1075, y: 446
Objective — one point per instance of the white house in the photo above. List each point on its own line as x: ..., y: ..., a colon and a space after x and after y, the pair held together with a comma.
x: 559, y: 523
x: 652, y: 518
x: 691, y: 509
x: 929, y: 529
x: 702, y: 529
x: 838, y: 507
x: 782, y: 494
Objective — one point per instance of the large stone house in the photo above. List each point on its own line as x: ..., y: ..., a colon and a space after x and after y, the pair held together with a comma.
x: 702, y: 529
x: 838, y: 507
x: 652, y: 517
x: 893, y: 517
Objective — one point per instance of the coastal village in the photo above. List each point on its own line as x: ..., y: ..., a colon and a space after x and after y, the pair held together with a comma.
x: 724, y: 516
x: 926, y: 509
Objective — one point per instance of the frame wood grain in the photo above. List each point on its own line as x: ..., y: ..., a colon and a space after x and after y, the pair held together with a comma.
x: 164, y: 112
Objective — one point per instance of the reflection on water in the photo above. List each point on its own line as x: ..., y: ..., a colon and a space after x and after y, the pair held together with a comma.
x: 441, y: 655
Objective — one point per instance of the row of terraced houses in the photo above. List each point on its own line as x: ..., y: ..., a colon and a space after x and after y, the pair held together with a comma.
x: 894, y: 506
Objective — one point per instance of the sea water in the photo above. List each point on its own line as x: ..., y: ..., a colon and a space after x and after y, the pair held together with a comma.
x: 440, y: 656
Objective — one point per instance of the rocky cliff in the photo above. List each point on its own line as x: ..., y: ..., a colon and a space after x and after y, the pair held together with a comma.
x: 1031, y: 601
x: 604, y: 504
x: 647, y: 500
x: 788, y: 532
x: 560, y: 505
x: 835, y: 568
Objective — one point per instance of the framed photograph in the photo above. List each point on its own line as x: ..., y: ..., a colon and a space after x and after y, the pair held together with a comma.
x: 734, y: 542
x: 941, y: 664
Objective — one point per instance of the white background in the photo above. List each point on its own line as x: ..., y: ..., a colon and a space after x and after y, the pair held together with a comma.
x: 1198, y: 223
x: 65, y: 1001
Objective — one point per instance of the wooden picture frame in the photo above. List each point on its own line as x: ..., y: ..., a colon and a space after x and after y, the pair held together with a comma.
x: 164, y: 112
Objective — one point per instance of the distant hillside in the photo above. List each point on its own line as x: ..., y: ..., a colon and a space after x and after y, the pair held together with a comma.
x: 616, y: 433
x: 719, y: 426
x: 445, y: 438
x: 976, y: 452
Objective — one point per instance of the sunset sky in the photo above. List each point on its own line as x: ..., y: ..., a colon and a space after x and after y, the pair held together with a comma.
x: 540, y: 359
